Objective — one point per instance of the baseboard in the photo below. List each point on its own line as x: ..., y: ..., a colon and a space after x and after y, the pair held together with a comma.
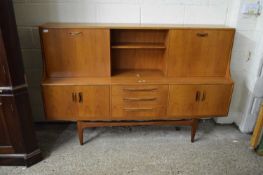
x: 21, y: 159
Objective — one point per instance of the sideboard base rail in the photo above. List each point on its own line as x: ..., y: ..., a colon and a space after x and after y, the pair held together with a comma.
x: 81, y: 125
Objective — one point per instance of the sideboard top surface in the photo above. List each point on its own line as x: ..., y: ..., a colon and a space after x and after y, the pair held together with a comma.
x: 133, y: 26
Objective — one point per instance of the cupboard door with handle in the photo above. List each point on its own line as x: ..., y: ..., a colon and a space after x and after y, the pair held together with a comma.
x: 199, y: 52
x: 76, y: 52
x: 93, y: 102
x: 60, y: 102
x: 183, y: 100
x: 215, y: 100
x: 199, y: 100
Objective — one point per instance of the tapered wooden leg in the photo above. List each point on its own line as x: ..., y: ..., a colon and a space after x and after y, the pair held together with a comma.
x: 80, y: 132
x: 194, y: 128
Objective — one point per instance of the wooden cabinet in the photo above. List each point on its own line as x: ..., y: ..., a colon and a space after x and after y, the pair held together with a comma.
x: 127, y: 75
x: 76, y: 52
x: 199, y: 100
x: 199, y: 52
x: 18, y: 144
x: 76, y: 102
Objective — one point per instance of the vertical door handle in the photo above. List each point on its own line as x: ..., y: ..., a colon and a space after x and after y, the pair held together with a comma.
x: 74, y: 96
x: 204, y: 96
x: 197, y: 96
x: 80, y: 97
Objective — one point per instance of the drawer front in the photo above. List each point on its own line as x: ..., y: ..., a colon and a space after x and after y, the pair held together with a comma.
x: 139, y: 102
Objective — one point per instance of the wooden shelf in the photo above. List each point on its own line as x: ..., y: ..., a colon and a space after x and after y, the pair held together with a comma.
x: 133, y: 45
x: 137, y: 73
x: 129, y: 77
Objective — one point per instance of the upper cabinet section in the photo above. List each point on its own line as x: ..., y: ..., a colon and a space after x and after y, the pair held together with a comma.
x: 76, y: 52
x: 199, y: 52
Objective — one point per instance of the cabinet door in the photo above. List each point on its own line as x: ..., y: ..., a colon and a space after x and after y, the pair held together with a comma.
x: 199, y: 100
x: 197, y: 52
x: 76, y: 52
x: 215, y: 100
x: 183, y: 100
x: 5, y: 143
x: 93, y: 102
x: 4, y: 77
x: 60, y: 102
x: 8, y: 119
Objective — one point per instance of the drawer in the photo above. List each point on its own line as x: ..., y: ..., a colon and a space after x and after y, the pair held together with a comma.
x: 133, y: 96
x: 139, y: 90
x: 139, y: 102
x: 138, y: 113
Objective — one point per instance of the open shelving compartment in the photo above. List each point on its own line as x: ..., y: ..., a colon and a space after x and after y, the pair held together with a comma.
x: 138, y: 52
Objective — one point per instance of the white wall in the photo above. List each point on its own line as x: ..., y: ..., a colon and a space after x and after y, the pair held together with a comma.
x: 245, y: 67
x: 254, y: 43
x: 30, y: 13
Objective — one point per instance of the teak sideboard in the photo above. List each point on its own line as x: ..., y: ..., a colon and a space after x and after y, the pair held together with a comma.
x: 119, y: 75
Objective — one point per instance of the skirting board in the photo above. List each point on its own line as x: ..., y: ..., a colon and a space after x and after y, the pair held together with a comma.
x: 21, y: 159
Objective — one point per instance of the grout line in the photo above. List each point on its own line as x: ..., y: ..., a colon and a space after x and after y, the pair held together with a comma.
x: 140, y: 14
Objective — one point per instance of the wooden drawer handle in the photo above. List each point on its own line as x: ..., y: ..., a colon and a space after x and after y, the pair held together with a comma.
x: 139, y: 89
x: 74, y: 33
x: 202, y: 34
x: 140, y: 99
x: 138, y: 109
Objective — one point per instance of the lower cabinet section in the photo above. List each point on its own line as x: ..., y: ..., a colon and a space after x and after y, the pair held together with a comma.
x: 135, y: 102
x: 76, y: 102
x: 199, y: 100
